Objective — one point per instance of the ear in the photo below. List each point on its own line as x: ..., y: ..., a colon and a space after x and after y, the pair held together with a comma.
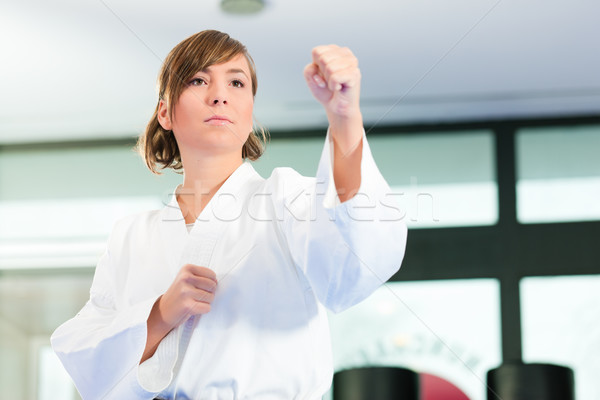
x: 163, y: 116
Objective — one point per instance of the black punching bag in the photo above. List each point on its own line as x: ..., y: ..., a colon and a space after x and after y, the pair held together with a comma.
x: 519, y: 381
x: 376, y: 383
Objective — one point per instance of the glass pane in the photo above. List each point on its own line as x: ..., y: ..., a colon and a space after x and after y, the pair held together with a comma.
x: 440, y: 180
x: 59, y: 233
x: 449, y: 205
x: 302, y: 154
x: 32, y: 306
x: 560, y: 326
x: 14, y: 348
x: 54, y: 382
x: 449, y: 328
x: 86, y: 172
x: 558, y: 174
x: 58, y: 205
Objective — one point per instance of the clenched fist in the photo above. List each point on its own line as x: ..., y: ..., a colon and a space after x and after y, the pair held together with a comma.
x: 191, y: 293
x: 334, y: 79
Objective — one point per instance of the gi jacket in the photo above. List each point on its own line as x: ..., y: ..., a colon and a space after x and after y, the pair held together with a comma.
x: 284, y: 249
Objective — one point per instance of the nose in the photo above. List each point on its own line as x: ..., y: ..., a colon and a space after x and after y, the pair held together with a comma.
x: 217, y: 95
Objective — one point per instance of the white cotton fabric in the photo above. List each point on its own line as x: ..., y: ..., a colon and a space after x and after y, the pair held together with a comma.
x: 284, y: 249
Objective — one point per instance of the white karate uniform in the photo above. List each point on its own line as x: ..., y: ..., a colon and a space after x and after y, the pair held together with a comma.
x: 284, y: 249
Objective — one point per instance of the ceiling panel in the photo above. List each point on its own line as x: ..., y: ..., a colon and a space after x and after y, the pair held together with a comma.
x: 87, y: 69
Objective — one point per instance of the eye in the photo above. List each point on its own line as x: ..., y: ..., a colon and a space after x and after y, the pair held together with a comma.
x: 237, y: 83
x: 197, y: 82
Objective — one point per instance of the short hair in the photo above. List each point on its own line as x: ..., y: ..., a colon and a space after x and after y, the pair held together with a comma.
x: 157, y: 145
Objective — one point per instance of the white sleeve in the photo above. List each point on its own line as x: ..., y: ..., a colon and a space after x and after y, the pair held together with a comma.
x: 102, y: 345
x: 346, y: 250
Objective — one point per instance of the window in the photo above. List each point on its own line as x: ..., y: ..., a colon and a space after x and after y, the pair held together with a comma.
x: 558, y: 174
x: 59, y: 209
x: 440, y: 180
x: 54, y: 382
x: 560, y: 325
x: 450, y: 328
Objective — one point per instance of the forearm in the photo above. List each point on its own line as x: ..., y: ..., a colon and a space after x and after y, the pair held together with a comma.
x: 347, y: 133
x: 157, y: 329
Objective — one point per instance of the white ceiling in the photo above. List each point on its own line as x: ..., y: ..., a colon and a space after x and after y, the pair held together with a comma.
x: 87, y: 68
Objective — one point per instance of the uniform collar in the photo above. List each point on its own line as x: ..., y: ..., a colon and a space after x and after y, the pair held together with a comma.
x: 232, y: 186
x: 224, y: 206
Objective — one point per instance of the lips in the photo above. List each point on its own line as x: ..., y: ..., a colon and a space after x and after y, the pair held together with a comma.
x: 218, y: 119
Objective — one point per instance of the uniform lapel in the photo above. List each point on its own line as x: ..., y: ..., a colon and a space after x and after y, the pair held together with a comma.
x: 222, y: 211
x: 173, y: 232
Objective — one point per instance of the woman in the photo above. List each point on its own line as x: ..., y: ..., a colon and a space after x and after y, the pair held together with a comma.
x: 234, y: 307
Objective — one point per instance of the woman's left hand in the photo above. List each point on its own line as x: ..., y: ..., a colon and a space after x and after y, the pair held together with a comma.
x: 334, y: 79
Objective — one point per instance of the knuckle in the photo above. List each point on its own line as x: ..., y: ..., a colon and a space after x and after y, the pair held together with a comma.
x: 188, y: 306
x: 212, y: 285
x: 210, y: 297
x: 329, y: 69
x: 205, y: 271
x: 202, y: 308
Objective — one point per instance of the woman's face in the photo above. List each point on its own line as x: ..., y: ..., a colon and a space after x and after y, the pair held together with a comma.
x: 214, y: 112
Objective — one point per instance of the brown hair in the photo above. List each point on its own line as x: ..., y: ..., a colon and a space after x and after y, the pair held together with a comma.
x: 157, y: 145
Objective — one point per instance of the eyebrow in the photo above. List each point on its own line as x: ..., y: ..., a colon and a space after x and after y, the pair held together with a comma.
x: 229, y: 71
x: 236, y: 71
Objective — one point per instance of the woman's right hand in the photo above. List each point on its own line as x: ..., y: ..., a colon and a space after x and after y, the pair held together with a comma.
x: 191, y: 293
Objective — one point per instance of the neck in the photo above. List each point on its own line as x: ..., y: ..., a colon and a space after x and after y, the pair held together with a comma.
x: 203, y: 176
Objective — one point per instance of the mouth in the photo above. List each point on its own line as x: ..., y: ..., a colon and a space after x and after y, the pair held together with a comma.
x: 218, y: 120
